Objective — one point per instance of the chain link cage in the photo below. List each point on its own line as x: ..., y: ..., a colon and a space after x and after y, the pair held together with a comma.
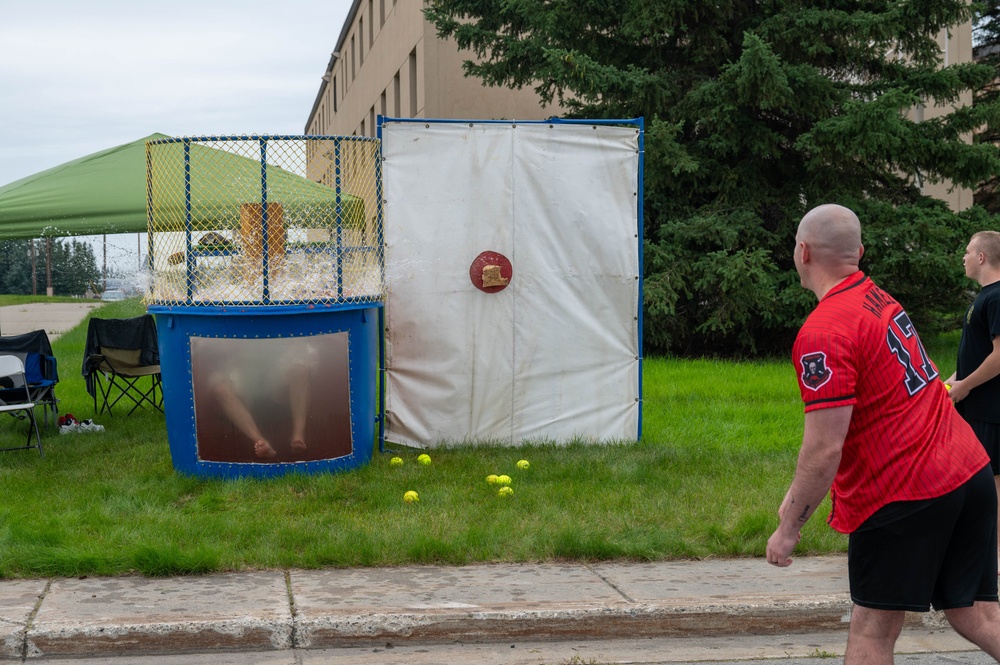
x: 264, y: 220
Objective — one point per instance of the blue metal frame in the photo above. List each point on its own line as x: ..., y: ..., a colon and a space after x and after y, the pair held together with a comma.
x: 640, y: 123
x: 381, y: 312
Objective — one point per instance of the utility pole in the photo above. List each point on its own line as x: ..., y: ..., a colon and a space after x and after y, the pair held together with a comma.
x: 34, y: 269
x: 48, y: 266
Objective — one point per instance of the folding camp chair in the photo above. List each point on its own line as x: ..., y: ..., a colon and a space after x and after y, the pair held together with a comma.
x: 35, y: 352
x: 12, y: 373
x: 120, y: 356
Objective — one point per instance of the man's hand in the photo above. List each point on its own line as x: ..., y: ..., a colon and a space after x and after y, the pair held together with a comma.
x: 780, y: 546
x: 958, y: 391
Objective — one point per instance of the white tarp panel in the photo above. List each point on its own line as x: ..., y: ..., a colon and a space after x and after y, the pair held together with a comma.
x: 554, y: 355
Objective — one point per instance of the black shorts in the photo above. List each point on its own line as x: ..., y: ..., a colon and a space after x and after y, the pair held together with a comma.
x: 942, y: 554
x: 989, y: 435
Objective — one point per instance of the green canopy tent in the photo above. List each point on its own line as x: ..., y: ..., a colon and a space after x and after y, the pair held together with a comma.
x: 105, y: 192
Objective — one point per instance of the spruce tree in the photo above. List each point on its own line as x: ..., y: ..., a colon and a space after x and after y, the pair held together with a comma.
x: 755, y: 112
x: 74, y: 267
x: 15, y: 267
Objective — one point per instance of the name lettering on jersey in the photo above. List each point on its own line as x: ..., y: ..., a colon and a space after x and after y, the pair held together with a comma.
x: 815, y: 373
x: 876, y: 300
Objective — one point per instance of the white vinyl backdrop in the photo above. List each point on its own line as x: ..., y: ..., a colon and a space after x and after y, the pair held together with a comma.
x: 554, y: 356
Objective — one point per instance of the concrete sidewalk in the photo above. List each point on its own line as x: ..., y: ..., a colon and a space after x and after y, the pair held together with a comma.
x: 419, y: 605
x: 55, y: 317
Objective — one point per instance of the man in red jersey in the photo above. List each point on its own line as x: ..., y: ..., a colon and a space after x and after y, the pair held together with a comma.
x: 911, y: 484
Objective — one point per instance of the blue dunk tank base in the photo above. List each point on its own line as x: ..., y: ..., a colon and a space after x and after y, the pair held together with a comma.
x: 264, y: 391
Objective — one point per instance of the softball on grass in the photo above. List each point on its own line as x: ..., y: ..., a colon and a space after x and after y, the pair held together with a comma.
x: 523, y: 464
x: 424, y: 459
x: 503, y: 480
x: 492, y: 479
x: 411, y: 497
x: 506, y: 491
x: 396, y: 461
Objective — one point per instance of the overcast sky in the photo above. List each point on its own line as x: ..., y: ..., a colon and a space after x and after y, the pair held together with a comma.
x: 80, y: 76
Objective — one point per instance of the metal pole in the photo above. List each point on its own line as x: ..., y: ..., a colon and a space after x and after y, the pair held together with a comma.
x: 34, y: 269
x: 48, y: 266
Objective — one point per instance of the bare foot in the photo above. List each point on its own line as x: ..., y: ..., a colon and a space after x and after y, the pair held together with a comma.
x: 264, y: 450
x: 298, y: 445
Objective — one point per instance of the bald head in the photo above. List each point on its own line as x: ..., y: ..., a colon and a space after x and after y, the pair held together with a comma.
x: 827, y: 247
x: 833, y: 234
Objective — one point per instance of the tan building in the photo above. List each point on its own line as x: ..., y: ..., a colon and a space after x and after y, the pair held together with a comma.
x: 956, y: 47
x: 389, y: 61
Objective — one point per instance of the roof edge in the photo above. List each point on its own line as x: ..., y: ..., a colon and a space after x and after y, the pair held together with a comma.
x: 334, y: 56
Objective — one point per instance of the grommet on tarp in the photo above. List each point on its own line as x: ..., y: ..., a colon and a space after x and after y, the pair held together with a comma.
x: 491, y: 272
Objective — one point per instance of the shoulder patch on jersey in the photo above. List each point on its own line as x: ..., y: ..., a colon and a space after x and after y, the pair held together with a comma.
x: 815, y: 373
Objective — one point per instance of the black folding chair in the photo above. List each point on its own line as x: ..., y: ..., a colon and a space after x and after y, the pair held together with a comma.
x: 122, y: 362
x: 11, y: 374
x: 40, y: 370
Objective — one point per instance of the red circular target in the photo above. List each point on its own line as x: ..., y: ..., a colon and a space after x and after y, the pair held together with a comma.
x: 491, y: 272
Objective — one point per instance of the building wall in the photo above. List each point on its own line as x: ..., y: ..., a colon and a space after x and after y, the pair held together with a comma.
x: 389, y: 61
x: 956, y: 47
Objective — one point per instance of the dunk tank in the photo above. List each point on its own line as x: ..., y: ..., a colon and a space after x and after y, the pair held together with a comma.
x: 266, y: 285
x: 477, y: 281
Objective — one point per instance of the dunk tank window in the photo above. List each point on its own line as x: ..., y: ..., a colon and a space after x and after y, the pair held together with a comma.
x: 282, y: 399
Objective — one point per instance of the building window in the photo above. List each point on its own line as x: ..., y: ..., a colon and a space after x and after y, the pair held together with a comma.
x: 371, y: 121
x: 334, y: 94
x: 396, y: 108
x: 381, y: 13
x: 413, y: 83
x: 354, y: 69
x: 381, y: 105
x: 361, y: 40
x: 371, y: 23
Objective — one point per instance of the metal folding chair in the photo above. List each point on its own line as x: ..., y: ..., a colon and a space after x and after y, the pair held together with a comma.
x: 12, y: 369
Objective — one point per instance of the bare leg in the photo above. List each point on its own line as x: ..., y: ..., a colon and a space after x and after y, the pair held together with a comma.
x: 980, y: 624
x: 298, y: 394
x: 237, y: 411
x: 872, y: 636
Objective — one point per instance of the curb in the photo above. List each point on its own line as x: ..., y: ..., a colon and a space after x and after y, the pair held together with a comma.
x: 427, y: 628
x: 418, y: 605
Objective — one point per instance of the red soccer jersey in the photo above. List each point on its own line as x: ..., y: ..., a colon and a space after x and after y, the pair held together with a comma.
x: 906, y: 441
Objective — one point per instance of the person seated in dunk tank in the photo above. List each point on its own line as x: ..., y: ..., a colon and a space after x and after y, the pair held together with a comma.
x: 255, y: 378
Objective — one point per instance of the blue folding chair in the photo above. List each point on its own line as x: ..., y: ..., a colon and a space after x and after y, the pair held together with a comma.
x: 40, y: 370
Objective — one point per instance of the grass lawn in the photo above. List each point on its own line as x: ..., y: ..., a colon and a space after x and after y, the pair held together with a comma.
x: 718, y: 451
